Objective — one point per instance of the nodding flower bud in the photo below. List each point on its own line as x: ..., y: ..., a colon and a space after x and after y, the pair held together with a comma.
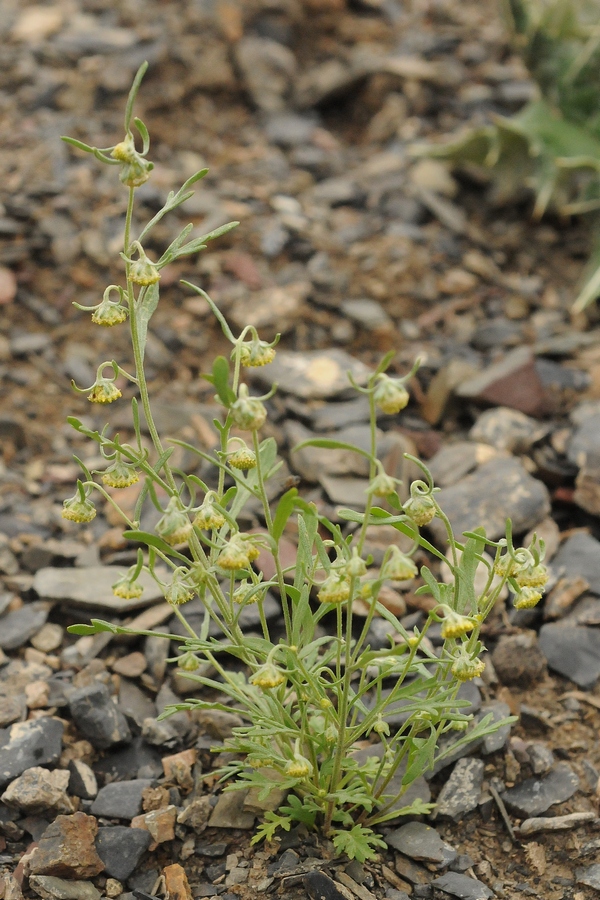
x: 178, y: 592
x: 299, y: 766
x: 381, y: 726
x: 268, y: 677
x: 127, y: 588
x: 464, y: 668
x: 142, y: 271
x: 382, y: 485
x: 135, y: 170
x: 420, y: 509
x: 248, y: 413
x: 532, y: 576
x: 243, y: 458
x: 398, y: 566
x: 104, y: 391
x: 174, y: 526
x: 527, y: 598
x: 242, y: 594
x: 237, y: 553
x: 356, y: 567
x: 335, y: 589
x: 209, y: 515
x: 390, y: 395
x: 454, y: 625
x: 78, y: 510
x: 120, y: 474
x: 187, y: 662
x: 256, y: 353
x: 506, y: 566
x: 109, y: 313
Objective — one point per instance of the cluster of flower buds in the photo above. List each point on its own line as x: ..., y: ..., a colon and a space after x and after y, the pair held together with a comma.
x: 209, y: 515
x: 242, y: 457
x: 248, y: 413
x: 525, y: 572
x: 108, y: 312
x: 256, y: 353
x: 465, y: 666
x: 142, y: 270
x: 335, y: 588
x: 127, y: 587
x: 299, y: 766
x: 79, y: 508
x: 390, y: 394
x: 269, y: 676
x: 120, y: 474
x: 174, y: 525
x: 135, y: 170
x: 397, y: 566
x: 179, y: 590
x: 455, y: 625
x: 238, y: 553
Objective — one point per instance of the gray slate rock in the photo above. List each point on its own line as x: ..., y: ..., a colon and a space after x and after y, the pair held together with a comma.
x: 460, y: 794
x: 462, y: 886
x: 37, y: 742
x: 580, y: 555
x: 121, y: 799
x: 318, y: 374
x: 497, y: 490
x: 121, y: 848
x: 421, y: 842
x: 572, y: 651
x: 535, y: 795
x: 590, y: 876
x: 518, y: 659
x: 17, y: 627
x: 91, y: 587
x: 97, y: 717
x: 51, y: 888
x: 497, y: 740
x: 136, y: 760
x: 584, y: 446
x: 507, y: 429
x: 82, y: 782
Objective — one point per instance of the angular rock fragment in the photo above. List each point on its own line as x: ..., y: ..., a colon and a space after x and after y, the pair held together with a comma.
x: 51, y: 888
x: 38, y: 790
x: 462, y: 886
x: 421, y: 842
x: 572, y: 651
x: 317, y: 374
x: 535, y: 795
x: 37, y: 742
x: 518, y: 659
x: 66, y: 848
x: 512, y: 382
x: 121, y: 799
x: 97, y: 717
x: 17, y: 627
x: 580, y: 556
x: 92, y: 588
x: 460, y: 794
x: 500, y: 489
x: 121, y: 848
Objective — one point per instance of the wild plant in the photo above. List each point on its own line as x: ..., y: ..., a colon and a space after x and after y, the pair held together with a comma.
x: 315, y: 697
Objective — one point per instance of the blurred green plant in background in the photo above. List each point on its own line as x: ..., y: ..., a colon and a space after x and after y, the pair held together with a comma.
x: 552, y: 146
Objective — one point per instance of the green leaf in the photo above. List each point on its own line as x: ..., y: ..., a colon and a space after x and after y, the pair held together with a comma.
x: 285, y: 508
x: 145, y: 311
x: 267, y: 829
x: 96, y: 626
x: 330, y: 444
x: 153, y: 540
x: 358, y: 843
x: 144, y: 135
x: 133, y: 93
x: 220, y: 381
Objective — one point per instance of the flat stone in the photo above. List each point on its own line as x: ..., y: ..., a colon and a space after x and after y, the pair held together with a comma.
x: 498, y: 490
x: 589, y: 876
x: 289, y: 129
x: 178, y: 767
x: 321, y: 887
x: 229, y: 811
x: 495, y: 741
x: 92, y: 588
x: 423, y: 843
x: 519, y: 660
x: 313, y: 462
x: 137, y: 760
x: 159, y: 822
x: 454, y: 461
x: 82, y: 780
x: 32, y: 743
x: 580, y: 556
x: 131, y: 666
x: 97, y: 717
x: 121, y: 848
x: 572, y: 651
x: 48, y: 638
x: 50, y: 888
x: 462, y: 886
x: 350, y: 492
x: 541, y: 757
x: 333, y: 416
x: 563, y: 595
x: 367, y: 313
x: 555, y: 823
x: 38, y: 790
x: 512, y: 382
x: 66, y: 848
x: 535, y: 795
x: 196, y: 814
x: 584, y: 446
x: 17, y: 627
x: 316, y: 374
x: 121, y: 799
x: 460, y: 794
x: 507, y: 429
x: 268, y: 69
x: 135, y: 703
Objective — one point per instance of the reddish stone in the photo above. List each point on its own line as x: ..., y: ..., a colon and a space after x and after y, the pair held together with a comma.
x: 67, y: 848
x: 176, y: 883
